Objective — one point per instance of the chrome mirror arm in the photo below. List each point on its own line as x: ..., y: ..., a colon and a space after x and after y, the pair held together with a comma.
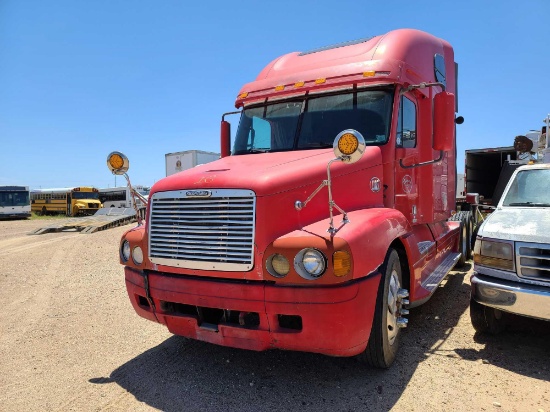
x: 349, y: 147
x: 298, y: 205
x: 135, y: 194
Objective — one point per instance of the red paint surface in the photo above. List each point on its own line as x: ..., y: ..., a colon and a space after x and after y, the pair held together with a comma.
x: 327, y: 325
x: 411, y: 207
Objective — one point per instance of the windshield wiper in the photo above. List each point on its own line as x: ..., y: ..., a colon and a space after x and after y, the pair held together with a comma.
x: 253, y: 150
x: 320, y: 145
x: 530, y: 204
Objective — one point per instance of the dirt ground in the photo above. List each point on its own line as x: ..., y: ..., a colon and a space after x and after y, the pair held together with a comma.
x: 70, y: 341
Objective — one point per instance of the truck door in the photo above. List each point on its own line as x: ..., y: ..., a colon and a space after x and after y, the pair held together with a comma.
x: 406, y: 187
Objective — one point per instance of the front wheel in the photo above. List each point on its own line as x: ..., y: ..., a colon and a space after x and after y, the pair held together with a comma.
x: 486, y: 319
x: 385, y: 333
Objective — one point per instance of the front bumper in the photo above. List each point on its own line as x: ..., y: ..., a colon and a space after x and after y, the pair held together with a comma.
x: 522, y: 299
x: 333, y: 320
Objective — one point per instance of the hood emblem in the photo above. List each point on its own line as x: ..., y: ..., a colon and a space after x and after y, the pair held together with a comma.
x: 198, y: 193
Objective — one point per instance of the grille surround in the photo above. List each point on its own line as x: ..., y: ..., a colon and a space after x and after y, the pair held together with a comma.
x: 533, y: 261
x: 203, y: 229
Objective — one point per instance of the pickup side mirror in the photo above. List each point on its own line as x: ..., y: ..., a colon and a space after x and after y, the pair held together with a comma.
x: 444, y: 121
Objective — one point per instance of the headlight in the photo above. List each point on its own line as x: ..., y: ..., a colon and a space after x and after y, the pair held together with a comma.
x: 277, y: 265
x: 125, y: 251
x: 137, y: 255
x: 310, y: 263
x: 498, y: 255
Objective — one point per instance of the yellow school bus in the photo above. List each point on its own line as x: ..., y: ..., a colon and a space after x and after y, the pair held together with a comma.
x: 74, y: 201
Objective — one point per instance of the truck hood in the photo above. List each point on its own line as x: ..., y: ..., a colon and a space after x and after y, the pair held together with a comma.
x: 267, y: 173
x: 523, y: 224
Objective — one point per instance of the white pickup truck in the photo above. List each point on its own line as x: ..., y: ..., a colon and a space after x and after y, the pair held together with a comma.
x: 512, y: 253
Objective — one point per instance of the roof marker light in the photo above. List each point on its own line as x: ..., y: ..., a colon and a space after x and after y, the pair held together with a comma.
x: 299, y: 84
x: 243, y: 95
x: 320, y: 81
x: 370, y: 73
x: 279, y: 88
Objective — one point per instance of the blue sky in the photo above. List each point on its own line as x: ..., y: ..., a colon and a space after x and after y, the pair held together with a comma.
x: 79, y: 79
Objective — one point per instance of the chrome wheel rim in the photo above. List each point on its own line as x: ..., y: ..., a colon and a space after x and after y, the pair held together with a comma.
x: 392, y: 315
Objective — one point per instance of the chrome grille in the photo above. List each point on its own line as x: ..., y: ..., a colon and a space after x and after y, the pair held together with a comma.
x: 533, y: 261
x: 203, y: 229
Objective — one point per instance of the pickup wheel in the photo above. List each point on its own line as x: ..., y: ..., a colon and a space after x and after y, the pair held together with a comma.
x: 486, y: 319
x: 385, y: 332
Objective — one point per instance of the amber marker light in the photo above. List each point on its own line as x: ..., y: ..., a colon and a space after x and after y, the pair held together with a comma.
x: 278, y: 265
x: 370, y: 73
x: 341, y: 260
x: 320, y: 81
x: 299, y: 84
x: 116, y: 161
x: 279, y: 88
x: 348, y: 144
x: 243, y: 95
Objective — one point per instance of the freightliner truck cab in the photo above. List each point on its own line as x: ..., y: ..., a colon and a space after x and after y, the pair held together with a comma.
x: 327, y: 216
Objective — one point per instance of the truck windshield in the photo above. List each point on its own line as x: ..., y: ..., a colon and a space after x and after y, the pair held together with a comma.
x: 530, y: 188
x: 312, y: 122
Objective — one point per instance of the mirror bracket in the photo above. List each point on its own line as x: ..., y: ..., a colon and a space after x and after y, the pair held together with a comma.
x: 349, y: 150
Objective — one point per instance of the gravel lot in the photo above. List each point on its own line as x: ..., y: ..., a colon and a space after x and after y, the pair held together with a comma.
x: 70, y: 341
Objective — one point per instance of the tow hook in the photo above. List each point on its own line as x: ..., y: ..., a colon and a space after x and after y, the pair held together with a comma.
x: 402, y: 295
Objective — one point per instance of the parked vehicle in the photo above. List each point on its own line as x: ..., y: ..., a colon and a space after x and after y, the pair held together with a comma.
x: 512, y: 250
x: 486, y: 174
x: 121, y: 197
x: 180, y: 161
x: 327, y: 220
x: 72, y: 201
x: 14, y: 202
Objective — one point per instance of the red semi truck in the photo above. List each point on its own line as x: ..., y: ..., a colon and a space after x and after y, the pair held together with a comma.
x: 326, y: 220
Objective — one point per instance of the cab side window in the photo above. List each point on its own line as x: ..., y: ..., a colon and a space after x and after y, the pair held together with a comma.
x: 406, y: 124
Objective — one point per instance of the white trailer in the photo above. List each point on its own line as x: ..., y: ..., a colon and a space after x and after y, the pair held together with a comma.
x: 179, y: 161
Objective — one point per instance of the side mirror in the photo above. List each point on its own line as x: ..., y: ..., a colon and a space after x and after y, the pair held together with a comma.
x: 118, y: 163
x: 349, y: 146
x: 225, y: 139
x: 444, y: 121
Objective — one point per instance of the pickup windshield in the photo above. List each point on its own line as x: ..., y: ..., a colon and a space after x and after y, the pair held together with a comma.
x: 312, y: 122
x: 530, y: 188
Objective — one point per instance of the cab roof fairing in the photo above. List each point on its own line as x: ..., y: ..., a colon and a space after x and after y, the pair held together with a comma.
x: 411, y: 48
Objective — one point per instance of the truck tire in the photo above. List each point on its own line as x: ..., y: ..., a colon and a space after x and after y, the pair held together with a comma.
x: 469, y: 219
x: 486, y: 319
x: 385, y: 333
x: 464, y: 241
x: 474, y: 235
